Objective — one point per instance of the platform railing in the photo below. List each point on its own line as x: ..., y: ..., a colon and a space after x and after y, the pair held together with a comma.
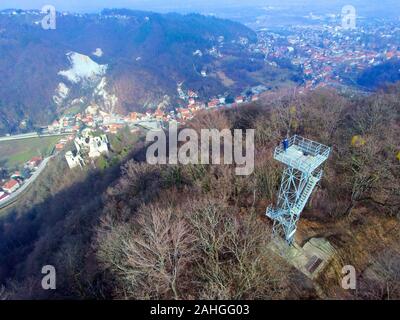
x: 312, y: 147
x: 308, y: 146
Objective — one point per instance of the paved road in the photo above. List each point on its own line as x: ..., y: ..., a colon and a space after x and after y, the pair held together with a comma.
x: 147, y: 124
x: 32, y: 135
x: 15, y: 196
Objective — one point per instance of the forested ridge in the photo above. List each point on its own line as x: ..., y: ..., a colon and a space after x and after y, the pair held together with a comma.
x: 139, y: 231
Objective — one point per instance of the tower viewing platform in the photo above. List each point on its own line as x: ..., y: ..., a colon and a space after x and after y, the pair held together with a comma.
x: 303, y: 160
x: 302, y: 154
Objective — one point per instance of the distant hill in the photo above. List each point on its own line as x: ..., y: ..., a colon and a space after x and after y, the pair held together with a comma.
x: 378, y: 76
x: 121, y: 60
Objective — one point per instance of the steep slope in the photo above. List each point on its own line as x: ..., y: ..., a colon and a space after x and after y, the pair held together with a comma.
x: 207, y: 224
x: 381, y: 75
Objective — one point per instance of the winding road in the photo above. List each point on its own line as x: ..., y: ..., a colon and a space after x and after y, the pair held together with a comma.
x: 15, y: 196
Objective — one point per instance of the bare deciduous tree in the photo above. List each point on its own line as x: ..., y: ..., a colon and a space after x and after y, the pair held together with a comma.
x: 153, y: 256
x: 235, y: 260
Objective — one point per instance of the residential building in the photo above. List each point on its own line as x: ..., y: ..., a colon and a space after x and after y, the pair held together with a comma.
x: 11, y: 186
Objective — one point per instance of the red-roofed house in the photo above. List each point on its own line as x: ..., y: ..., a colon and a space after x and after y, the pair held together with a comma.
x: 213, y: 103
x: 192, y: 94
x: 133, y: 116
x: 11, y: 186
x: 185, y: 113
x: 159, y: 115
x: 60, y: 146
x: 34, y: 162
x: 390, y: 54
x: 239, y: 99
x: 114, y: 127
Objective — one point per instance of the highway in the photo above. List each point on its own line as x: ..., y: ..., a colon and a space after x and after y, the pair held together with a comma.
x: 15, y: 196
x: 32, y: 135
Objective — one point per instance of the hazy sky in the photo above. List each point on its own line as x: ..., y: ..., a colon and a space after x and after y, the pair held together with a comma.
x: 96, y: 5
x: 142, y: 4
x: 99, y: 4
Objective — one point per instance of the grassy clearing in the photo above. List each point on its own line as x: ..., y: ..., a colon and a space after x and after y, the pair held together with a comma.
x: 13, y: 154
x: 225, y: 79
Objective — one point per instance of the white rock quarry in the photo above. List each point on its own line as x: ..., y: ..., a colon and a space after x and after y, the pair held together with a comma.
x: 62, y: 92
x: 85, y: 72
x: 83, y: 69
x: 109, y: 100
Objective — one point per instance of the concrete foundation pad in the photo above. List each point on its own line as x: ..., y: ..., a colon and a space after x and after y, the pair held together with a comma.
x: 310, y: 259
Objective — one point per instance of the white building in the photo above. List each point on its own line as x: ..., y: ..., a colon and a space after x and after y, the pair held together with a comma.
x: 87, y: 145
x: 74, y: 160
x: 93, y: 145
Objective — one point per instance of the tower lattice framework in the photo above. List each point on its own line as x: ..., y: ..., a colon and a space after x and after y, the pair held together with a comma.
x: 303, y: 160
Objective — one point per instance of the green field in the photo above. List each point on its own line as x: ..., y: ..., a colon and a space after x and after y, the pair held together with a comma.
x: 13, y: 154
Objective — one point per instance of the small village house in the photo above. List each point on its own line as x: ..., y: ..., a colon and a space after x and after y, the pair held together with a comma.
x: 34, y: 163
x: 11, y: 186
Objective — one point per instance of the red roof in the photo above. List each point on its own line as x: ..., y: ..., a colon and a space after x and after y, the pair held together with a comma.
x: 116, y: 126
x: 239, y: 98
x: 390, y: 54
x: 10, y: 184
x: 184, y: 111
x: 158, y: 113
x: 213, y: 103
x: 36, y: 159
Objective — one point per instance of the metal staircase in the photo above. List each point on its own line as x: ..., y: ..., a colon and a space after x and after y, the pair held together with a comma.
x: 306, y: 194
x: 303, y: 159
